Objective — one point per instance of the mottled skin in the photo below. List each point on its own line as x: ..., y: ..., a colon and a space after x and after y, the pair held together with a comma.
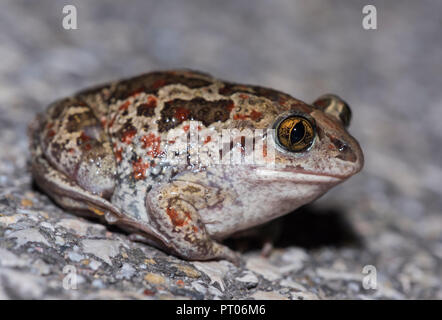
x: 103, y: 153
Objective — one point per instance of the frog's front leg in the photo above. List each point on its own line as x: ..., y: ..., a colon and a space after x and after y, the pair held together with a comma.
x: 173, y: 207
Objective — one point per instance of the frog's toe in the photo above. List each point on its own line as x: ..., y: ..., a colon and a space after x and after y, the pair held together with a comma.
x: 180, y: 223
x: 224, y: 252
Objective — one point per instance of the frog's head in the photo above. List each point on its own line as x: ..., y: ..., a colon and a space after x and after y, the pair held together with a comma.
x: 313, y: 146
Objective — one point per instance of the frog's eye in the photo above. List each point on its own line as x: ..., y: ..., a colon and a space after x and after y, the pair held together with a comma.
x: 295, y: 133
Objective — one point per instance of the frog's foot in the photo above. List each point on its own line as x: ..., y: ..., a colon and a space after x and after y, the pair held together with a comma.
x: 267, y: 249
x: 176, y: 217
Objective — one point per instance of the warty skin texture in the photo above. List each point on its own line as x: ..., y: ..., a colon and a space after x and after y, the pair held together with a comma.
x: 105, y: 152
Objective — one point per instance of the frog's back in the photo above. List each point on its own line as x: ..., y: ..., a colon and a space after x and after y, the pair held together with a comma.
x: 102, y: 96
x: 129, y: 125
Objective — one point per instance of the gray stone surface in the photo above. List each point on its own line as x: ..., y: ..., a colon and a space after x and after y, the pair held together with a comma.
x: 388, y: 216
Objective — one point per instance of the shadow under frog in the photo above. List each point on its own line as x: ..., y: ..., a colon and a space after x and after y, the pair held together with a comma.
x: 308, y: 227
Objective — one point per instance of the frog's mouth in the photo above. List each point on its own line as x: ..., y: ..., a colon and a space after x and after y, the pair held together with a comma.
x: 298, y: 176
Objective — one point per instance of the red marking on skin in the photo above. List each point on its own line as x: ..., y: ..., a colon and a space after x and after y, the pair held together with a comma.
x: 139, y: 169
x: 171, y: 141
x: 282, y: 100
x: 159, y: 83
x: 136, y: 92
x: 151, y: 102
x: 331, y: 147
x: 84, y: 137
x: 155, y: 152
x: 71, y: 150
x: 178, y: 220
x: 51, y: 133
x: 199, y: 128
x: 243, y: 96
x: 87, y: 147
x: 153, y: 142
x: 49, y: 125
x: 111, y: 123
x: 264, y: 150
x: 124, y: 106
x: 103, y: 122
x: 230, y: 106
x: 181, y: 114
x: 186, y: 128
x: 118, y: 155
x: 195, y: 229
x: 255, y: 115
x: 208, y: 139
x: 240, y: 117
x: 128, y: 136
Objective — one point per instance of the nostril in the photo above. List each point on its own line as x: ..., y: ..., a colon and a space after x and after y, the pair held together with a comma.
x: 341, y: 146
x: 346, y: 152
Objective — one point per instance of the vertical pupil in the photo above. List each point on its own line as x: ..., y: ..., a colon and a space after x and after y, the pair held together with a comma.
x: 297, y: 133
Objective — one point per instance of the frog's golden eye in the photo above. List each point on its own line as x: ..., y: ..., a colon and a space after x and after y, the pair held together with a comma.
x: 295, y: 133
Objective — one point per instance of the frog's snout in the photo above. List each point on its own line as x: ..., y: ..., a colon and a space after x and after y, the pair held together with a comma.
x: 350, y: 152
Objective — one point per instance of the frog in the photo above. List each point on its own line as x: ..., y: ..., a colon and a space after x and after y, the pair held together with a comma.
x: 124, y: 153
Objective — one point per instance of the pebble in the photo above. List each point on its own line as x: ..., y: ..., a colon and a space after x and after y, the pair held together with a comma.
x: 7, y: 220
x: 304, y: 296
x: 59, y: 241
x: 47, y: 225
x: 154, y: 278
x: 76, y: 225
x: 94, y: 264
x: 216, y: 270
x: 103, y: 249
x: 75, y: 256
x: 263, y: 267
x: 126, y: 272
x: 292, y: 284
x: 28, y: 235
x: 189, y: 271
x: 199, y: 286
x: 249, y: 277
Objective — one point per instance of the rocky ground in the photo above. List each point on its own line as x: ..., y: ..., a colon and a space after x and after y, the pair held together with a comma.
x: 388, y: 216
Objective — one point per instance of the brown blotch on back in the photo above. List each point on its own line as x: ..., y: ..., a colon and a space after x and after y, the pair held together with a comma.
x: 127, y: 132
x: 150, y: 83
x: 176, y: 111
x: 79, y: 120
x: 146, y: 110
x: 273, y: 95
